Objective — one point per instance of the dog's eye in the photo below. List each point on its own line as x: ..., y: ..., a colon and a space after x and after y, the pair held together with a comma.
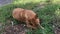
x: 30, y: 23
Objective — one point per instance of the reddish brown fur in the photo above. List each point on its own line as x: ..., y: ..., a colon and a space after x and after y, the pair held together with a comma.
x: 27, y: 16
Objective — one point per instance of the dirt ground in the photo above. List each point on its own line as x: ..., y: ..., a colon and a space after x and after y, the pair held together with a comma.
x: 16, y: 29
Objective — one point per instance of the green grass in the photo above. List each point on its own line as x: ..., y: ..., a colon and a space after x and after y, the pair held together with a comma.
x: 46, y: 14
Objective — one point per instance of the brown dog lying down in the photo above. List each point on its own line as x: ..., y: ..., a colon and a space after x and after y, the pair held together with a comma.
x: 27, y: 16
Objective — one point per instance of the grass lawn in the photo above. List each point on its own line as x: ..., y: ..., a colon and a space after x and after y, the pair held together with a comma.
x: 46, y: 13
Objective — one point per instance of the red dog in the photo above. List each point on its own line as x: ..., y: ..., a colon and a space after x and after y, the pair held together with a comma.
x: 27, y: 16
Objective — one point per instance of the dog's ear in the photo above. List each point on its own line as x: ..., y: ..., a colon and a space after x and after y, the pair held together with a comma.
x: 36, y: 16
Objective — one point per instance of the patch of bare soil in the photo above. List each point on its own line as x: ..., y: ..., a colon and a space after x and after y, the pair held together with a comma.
x: 56, y: 23
x: 57, y: 30
x: 16, y: 29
